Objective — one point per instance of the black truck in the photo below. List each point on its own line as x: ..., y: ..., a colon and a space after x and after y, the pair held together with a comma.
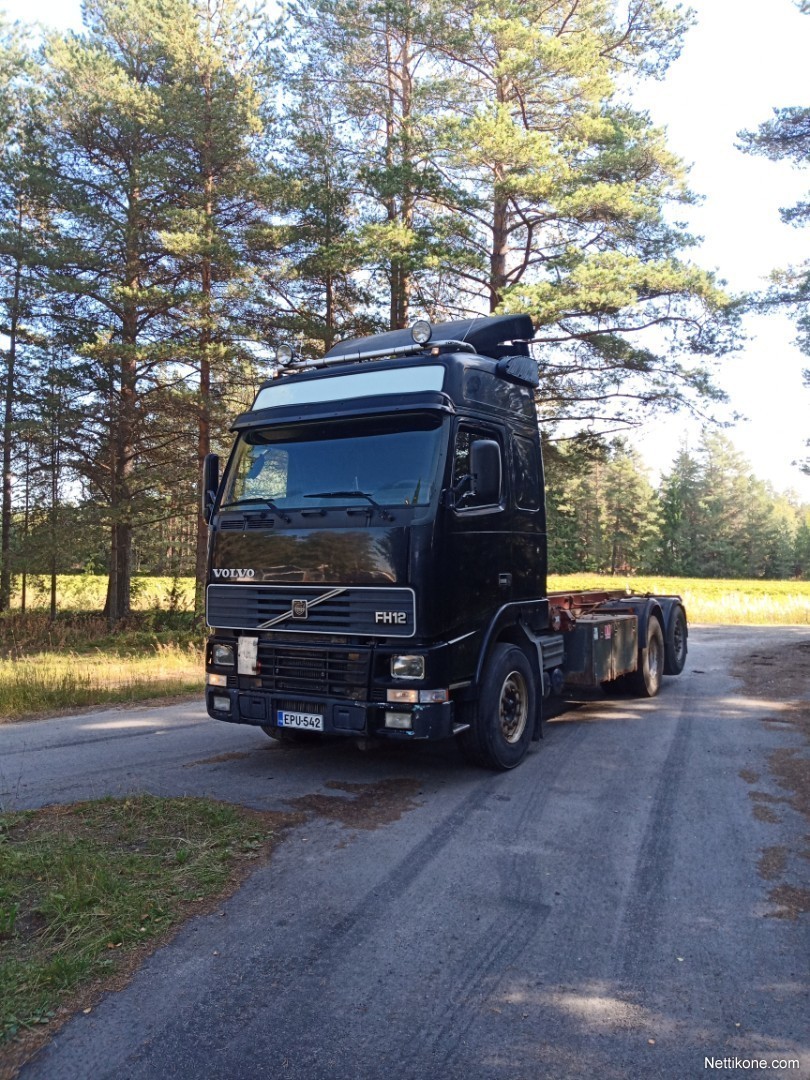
x: 377, y: 558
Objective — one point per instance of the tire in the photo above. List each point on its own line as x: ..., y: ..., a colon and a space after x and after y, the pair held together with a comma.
x: 676, y: 642
x: 646, y: 680
x: 503, y: 722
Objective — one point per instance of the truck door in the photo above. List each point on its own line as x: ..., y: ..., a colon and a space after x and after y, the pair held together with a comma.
x: 477, y: 551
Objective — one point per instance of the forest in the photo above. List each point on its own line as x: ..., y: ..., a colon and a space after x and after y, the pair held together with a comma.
x: 187, y: 184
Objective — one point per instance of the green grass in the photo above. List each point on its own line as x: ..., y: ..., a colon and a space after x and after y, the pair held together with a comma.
x: 709, y: 600
x: 83, y: 888
x: 44, y: 682
x: 75, y: 660
x: 87, y: 592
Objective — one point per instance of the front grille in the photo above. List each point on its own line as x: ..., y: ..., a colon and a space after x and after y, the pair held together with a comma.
x: 341, y: 673
x: 313, y: 609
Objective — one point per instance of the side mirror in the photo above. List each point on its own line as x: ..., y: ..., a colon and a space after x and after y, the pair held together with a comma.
x: 210, y: 483
x: 485, y: 466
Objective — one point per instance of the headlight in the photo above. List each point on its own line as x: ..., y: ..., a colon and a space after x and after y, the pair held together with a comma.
x: 216, y: 680
x: 222, y: 655
x: 407, y: 667
x: 421, y: 331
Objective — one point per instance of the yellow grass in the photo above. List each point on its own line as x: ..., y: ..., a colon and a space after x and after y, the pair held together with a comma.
x: 87, y: 592
x: 708, y: 600
x: 44, y: 682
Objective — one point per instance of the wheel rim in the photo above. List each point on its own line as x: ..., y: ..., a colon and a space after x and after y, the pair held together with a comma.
x: 513, y: 711
x: 654, y: 652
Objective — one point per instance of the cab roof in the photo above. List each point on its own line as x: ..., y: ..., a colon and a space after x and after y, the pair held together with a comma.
x: 491, y: 335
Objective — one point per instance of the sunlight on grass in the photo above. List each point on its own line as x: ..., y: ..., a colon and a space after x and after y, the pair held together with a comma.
x: 727, y: 602
x: 46, y: 681
x: 87, y: 592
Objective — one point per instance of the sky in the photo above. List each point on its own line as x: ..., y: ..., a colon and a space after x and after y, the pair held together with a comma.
x: 742, y: 59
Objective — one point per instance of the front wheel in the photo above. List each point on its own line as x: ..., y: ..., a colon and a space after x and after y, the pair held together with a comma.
x: 503, y: 724
x: 646, y: 680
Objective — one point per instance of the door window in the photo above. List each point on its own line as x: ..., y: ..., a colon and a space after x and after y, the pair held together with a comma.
x: 466, y: 497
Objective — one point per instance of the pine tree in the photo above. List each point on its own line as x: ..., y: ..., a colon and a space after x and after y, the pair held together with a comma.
x: 631, y: 512
x: 314, y: 280
x: 380, y: 68
x: 24, y: 223
x: 114, y: 188
x: 217, y: 76
x: 681, y: 517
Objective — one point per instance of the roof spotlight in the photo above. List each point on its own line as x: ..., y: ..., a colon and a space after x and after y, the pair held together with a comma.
x: 284, y: 354
x: 421, y: 331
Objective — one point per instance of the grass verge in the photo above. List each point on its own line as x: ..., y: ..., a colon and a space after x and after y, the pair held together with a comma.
x: 52, y: 681
x: 87, y: 890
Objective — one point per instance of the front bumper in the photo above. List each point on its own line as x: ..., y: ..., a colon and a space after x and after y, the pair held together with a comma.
x: 340, y: 717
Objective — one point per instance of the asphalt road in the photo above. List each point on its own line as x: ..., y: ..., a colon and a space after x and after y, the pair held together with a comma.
x: 602, y: 911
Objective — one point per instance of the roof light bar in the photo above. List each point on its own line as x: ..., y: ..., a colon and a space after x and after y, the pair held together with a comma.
x: 434, y: 347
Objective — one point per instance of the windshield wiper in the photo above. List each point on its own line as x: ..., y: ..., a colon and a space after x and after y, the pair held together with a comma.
x: 351, y: 495
x: 258, y: 499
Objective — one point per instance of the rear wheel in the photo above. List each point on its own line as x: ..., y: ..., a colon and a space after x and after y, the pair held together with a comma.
x: 646, y: 680
x: 502, y: 726
x: 676, y: 643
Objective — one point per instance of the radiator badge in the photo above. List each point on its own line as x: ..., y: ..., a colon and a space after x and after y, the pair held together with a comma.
x: 233, y: 572
x: 299, y: 609
x: 396, y: 618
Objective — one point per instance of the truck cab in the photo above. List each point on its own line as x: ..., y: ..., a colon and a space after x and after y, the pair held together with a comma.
x: 377, y: 556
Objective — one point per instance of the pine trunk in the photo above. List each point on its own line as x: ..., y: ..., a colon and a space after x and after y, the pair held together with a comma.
x: 500, y: 249
x: 8, y: 418
x: 123, y: 443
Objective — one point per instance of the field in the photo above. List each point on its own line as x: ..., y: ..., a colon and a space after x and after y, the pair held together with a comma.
x: 86, y: 592
x: 75, y: 661
x: 731, y: 601
x: 707, y: 600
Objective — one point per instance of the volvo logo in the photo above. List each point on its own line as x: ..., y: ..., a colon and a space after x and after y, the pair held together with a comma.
x: 232, y: 572
x: 299, y: 609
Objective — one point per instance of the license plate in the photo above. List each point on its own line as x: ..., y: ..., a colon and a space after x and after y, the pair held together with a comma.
x: 307, y: 721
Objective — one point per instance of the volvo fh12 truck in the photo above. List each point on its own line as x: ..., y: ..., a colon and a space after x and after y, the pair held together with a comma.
x: 377, y: 558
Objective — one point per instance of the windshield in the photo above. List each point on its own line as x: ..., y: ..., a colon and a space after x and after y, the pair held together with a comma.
x: 386, y: 461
